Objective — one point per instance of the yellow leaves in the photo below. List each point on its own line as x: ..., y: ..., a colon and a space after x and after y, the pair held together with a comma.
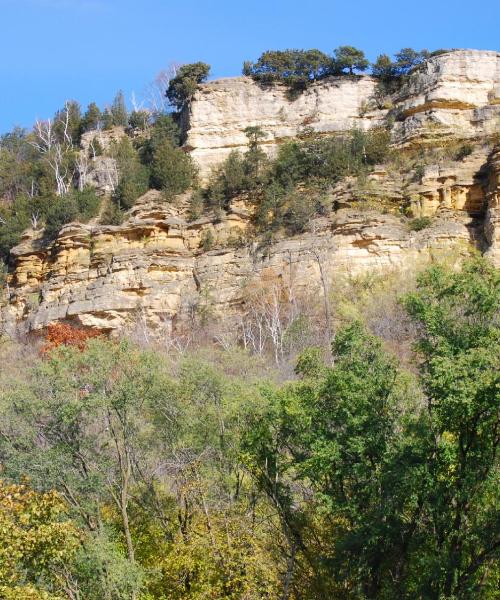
x: 34, y: 539
x: 220, y: 556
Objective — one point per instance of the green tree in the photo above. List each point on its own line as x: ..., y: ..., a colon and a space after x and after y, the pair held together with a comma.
x: 139, y: 119
x: 350, y: 59
x: 133, y: 176
x: 407, y: 59
x: 460, y: 350
x: 383, y: 67
x: 119, y: 111
x: 172, y: 170
x: 296, y: 68
x: 92, y: 118
x: 183, y: 86
x: 37, y: 541
x: 68, y: 123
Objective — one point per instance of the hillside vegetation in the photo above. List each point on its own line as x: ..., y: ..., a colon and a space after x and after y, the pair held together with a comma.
x: 132, y: 472
x: 336, y: 442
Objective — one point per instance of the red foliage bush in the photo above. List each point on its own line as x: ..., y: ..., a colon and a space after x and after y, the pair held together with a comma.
x: 61, y: 334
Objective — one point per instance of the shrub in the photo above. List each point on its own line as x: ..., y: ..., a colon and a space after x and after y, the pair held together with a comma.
x: 183, y: 86
x: 75, y: 206
x: 63, y: 210
x: 88, y: 203
x: 139, y: 119
x: 464, y: 151
x: 133, y: 176
x: 300, y: 210
x: 133, y: 185
x: 172, y: 170
x: 207, y: 240
x: 419, y: 223
x: 62, y: 334
x: 196, y: 203
x: 290, y: 165
x: 14, y: 220
x: 111, y: 215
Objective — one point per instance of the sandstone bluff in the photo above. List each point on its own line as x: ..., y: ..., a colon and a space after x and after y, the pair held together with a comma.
x: 154, y: 267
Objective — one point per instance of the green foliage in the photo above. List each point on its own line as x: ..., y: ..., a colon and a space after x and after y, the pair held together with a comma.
x: 139, y: 119
x: 14, y: 219
x: 195, y: 477
x: 53, y: 211
x: 111, y: 215
x: 207, y: 240
x: 196, y: 205
x: 460, y: 347
x: 296, y: 68
x: 133, y: 175
x: 163, y: 129
x: 68, y: 122
x: 408, y: 58
x: 36, y: 541
x: 95, y: 148
x: 419, y: 223
x: 395, y: 484
x: 315, y: 159
x: 119, y: 111
x: 88, y: 203
x: 91, y: 120
x: 383, y: 67
x: 76, y: 206
x: 350, y: 59
x: 182, y: 87
x: 464, y: 151
x: 20, y: 166
x: 172, y: 170
x: 107, y: 119
x: 163, y: 504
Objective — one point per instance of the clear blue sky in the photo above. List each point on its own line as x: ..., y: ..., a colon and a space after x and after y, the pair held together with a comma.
x: 52, y: 50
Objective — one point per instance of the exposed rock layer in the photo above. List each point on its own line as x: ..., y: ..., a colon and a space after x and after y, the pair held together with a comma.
x: 452, y: 94
x: 158, y: 267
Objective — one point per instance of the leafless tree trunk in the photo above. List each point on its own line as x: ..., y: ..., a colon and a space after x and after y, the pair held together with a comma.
x: 54, y: 150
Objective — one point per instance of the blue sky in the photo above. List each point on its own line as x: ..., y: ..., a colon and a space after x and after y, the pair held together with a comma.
x: 53, y: 50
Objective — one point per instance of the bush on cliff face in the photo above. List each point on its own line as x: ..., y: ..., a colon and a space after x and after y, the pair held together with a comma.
x: 133, y: 176
x: 172, y: 170
x: 315, y: 160
x: 76, y: 206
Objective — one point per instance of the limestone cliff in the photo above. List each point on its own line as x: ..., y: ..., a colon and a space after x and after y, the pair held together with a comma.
x: 452, y: 94
x: 157, y: 267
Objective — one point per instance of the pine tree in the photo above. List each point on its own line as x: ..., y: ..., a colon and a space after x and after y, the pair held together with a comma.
x: 119, y: 110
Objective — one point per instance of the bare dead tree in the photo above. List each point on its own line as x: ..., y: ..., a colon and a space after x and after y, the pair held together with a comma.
x: 82, y: 169
x: 54, y: 150
x: 154, y: 94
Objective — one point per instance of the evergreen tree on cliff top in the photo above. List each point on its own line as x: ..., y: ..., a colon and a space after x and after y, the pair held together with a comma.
x: 182, y: 87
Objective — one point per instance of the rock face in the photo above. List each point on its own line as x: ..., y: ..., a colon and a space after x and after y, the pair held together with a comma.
x: 452, y: 94
x: 157, y: 268
x: 220, y: 111
x: 154, y: 269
